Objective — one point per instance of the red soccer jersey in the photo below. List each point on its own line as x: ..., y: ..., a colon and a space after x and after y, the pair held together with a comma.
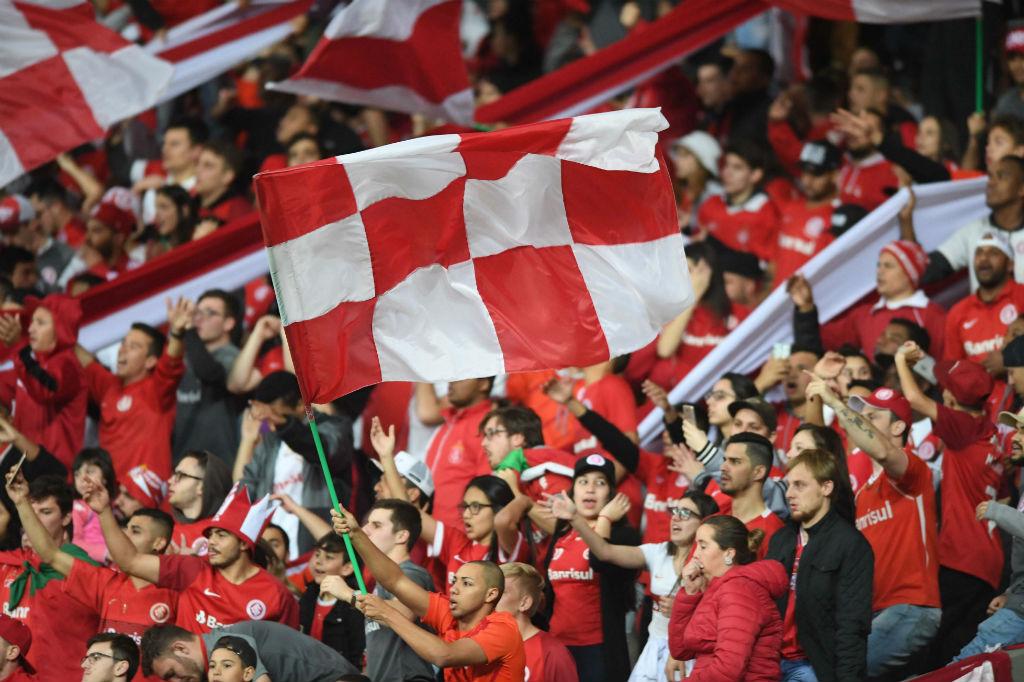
x: 971, y: 472
x: 498, y: 636
x: 865, y: 182
x: 60, y: 625
x: 191, y: 536
x: 612, y: 398
x: 208, y: 600
x: 136, y: 420
x: 864, y: 324
x: 72, y: 233
x: 454, y: 549
x: 320, y: 613
x: 769, y: 522
x: 898, y: 519
x: 975, y: 328
x: 121, y: 606
x: 455, y: 455
x: 527, y: 388
x: 788, y: 423
x: 860, y: 466
x: 703, y: 333
x: 549, y: 472
x: 662, y: 485
x: 803, y: 232
x: 723, y: 501
x: 547, y: 660
x: 576, y: 618
x: 226, y: 209
x: 750, y: 227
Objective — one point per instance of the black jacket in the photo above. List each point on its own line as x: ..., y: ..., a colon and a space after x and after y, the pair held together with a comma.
x: 833, y: 585
x: 344, y: 626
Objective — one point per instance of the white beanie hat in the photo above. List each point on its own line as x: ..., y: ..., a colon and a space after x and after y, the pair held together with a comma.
x: 704, y: 147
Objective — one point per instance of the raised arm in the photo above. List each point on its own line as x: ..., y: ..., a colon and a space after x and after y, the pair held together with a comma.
x: 41, y: 541
x: 620, y: 555
x: 244, y: 376
x: 908, y: 354
x: 122, y: 551
x: 316, y: 526
x: 428, y: 405
x: 386, y: 571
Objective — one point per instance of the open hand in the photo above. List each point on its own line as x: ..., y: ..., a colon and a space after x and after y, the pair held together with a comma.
x: 383, y: 442
x: 559, y: 389
x: 616, y: 508
x: 560, y: 505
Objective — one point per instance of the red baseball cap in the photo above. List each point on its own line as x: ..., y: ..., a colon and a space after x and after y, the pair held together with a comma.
x: 17, y: 633
x: 1014, y: 38
x: 117, y: 210
x: 885, y: 399
x: 968, y: 381
x: 15, y: 210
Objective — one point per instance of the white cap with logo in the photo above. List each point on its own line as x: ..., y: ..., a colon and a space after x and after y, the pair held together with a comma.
x: 414, y: 470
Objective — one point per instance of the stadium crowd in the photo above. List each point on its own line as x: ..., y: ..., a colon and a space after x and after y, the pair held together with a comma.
x: 853, y: 511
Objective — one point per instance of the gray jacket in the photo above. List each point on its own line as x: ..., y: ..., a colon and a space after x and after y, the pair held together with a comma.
x: 285, y: 653
x: 1012, y: 521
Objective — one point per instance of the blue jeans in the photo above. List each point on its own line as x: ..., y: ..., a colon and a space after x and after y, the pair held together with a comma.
x: 797, y: 671
x: 1001, y: 629
x: 897, y: 632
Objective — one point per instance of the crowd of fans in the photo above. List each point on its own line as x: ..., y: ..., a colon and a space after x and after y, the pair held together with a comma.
x: 853, y: 511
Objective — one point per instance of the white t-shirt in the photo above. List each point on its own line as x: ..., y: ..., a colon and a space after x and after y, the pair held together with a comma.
x: 959, y: 248
x: 288, y: 480
x: 663, y: 582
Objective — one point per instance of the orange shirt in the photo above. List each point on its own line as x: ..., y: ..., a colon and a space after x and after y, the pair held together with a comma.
x: 497, y: 634
x: 898, y: 519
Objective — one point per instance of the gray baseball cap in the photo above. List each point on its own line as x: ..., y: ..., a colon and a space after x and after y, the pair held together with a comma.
x: 414, y: 470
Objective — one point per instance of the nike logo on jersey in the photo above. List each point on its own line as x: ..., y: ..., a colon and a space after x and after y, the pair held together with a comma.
x: 209, y: 593
x: 970, y: 323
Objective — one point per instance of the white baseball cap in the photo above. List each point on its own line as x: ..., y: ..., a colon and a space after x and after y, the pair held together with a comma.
x: 414, y: 470
x: 704, y: 147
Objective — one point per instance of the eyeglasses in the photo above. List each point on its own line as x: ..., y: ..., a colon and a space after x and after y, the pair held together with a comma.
x: 473, y: 507
x: 95, y: 657
x: 491, y: 433
x: 178, y: 475
x: 719, y: 395
x: 684, y: 513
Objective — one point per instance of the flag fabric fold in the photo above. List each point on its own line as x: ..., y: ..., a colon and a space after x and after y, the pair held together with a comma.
x: 884, y: 11
x: 401, y: 55
x: 65, y: 79
x: 457, y: 256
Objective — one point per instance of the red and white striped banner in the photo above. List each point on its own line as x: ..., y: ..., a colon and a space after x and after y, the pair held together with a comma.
x: 457, y: 256
x: 65, y: 79
x: 400, y: 55
x: 884, y: 11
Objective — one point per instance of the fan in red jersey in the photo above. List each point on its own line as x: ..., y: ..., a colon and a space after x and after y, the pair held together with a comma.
x: 547, y: 659
x: 18, y: 638
x: 222, y: 588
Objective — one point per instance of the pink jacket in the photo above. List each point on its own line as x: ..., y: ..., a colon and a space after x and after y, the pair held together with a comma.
x: 733, y: 628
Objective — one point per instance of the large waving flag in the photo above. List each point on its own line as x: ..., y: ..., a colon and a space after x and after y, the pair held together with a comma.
x: 884, y: 11
x: 402, y: 55
x: 457, y: 256
x: 65, y: 79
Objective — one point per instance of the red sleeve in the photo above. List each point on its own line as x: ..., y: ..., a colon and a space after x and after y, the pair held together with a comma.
x: 736, y: 633
x: 87, y: 584
x: 498, y: 636
x: 558, y: 663
x: 953, y: 346
x: 289, y: 610
x: 178, y: 571
x: 682, y: 610
x: 439, y: 615
x: 166, y: 376
x: 99, y: 380
x: 917, y: 478
x: 786, y: 144
x: 956, y: 429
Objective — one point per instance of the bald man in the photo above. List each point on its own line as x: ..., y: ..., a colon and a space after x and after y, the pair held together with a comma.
x: 470, y: 633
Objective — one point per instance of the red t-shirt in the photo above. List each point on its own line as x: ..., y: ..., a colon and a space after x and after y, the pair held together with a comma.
x: 864, y: 182
x: 975, y: 328
x: 547, y: 660
x: 703, y: 333
x: 971, y: 472
x: 208, y: 600
x: 226, y: 208
x: 60, y: 625
x: 576, y: 618
x: 498, y: 636
x: 723, y: 501
x: 192, y: 535
x: 750, y: 227
x: 136, y: 420
x: 121, y: 606
x: 320, y: 613
x: 861, y: 467
x: 804, y: 232
x: 20, y: 675
x: 898, y: 519
x: 769, y: 522
x: 662, y: 485
x: 455, y: 456
x: 788, y: 423
x: 791, y: 649
x: 612, y: 398
x: 864, y: 324
x: 452, y: 548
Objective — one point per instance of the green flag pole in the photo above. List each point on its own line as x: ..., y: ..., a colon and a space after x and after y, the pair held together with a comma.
x: 979, y: 67
x: 334, y: 497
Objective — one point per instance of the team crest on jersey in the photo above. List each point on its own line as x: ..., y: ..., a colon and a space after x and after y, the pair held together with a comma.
x: 201, y: 547
x: 926, y: 450
x: 586, y: 554
x: 814, y: 227
x: 124, y: 404
x: 159, y: 612
x: 884, y: 393
x: 256, y: 609
x: 455, y: 454
x: 1008, y: 314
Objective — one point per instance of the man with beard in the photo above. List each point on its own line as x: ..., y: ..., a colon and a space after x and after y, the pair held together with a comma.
x: 112, y: 222
x: 173, y: 653
x: 977, y: 324
x: 866, y: 175
x: 745, y: 468
x: 1005, y: 625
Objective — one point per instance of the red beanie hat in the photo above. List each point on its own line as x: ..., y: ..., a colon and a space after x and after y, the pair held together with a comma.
x: 912, y: 258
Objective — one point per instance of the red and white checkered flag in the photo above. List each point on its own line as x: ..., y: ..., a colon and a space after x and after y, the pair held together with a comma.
x: 456, y: 256
x: 64, y: 79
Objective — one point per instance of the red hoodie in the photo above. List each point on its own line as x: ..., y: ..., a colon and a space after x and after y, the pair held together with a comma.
x: 733, y: 628
x: 50, y: 396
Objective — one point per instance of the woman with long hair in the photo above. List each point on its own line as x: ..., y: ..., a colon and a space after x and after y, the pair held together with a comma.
x: 725, y: 616
x: 172, y: 226
x: 937, y: 139
x: 695, y: 157
x: 587, y: 598
x: 91, y: 464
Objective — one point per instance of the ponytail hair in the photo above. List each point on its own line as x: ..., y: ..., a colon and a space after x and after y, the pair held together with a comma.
x: 730, y: 533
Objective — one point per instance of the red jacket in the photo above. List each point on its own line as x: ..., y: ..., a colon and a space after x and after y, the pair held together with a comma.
x: 733, y: 628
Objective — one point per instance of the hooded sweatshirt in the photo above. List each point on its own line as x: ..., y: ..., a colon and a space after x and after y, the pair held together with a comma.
x: 733, y: 628
x: 50, y: 397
